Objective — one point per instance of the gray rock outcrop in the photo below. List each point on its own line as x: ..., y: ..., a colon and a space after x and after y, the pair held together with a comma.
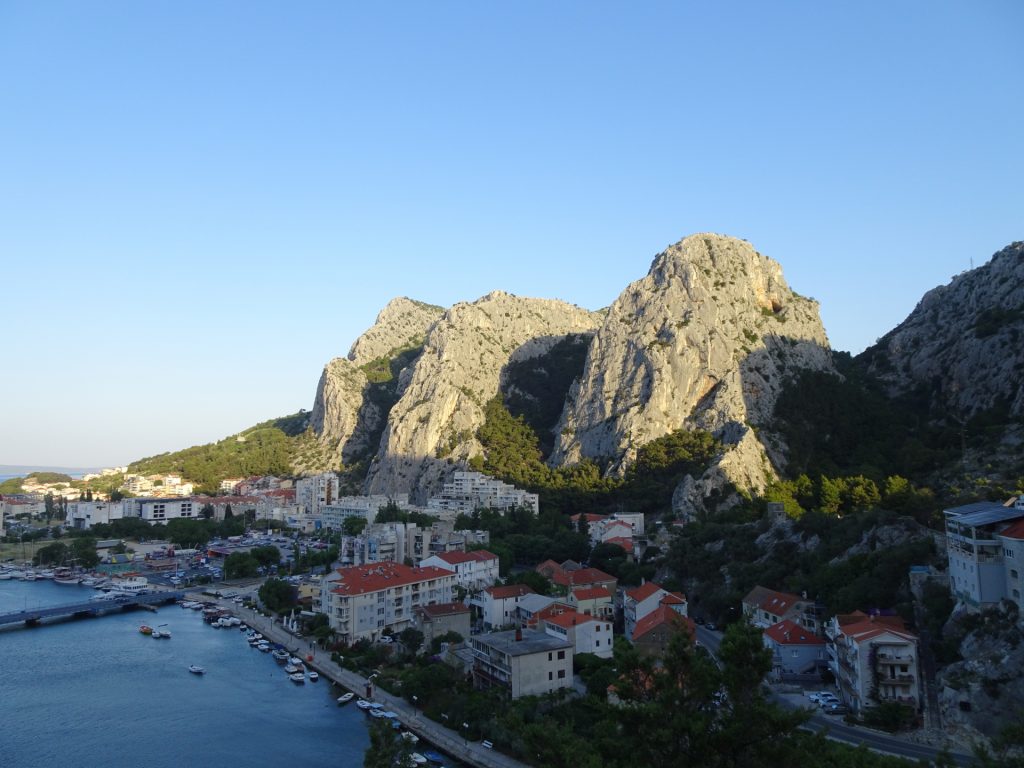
x: 964, y: 342
x: 703, y: 341
x: 345, y: 421
x: 433, y: 425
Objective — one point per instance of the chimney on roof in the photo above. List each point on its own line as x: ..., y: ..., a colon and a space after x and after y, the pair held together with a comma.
x: 519, y: 634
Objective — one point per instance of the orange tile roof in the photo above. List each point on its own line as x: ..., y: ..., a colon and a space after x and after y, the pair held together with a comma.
x: 644, y: 591
x: 510, y: 590
x: 591, y: 593
x: 477, y: 555
x: 623, y: 541
x: 1015, y: 531
x: 663, y: 615
x: 584, y: 576
x: 361, y: 579
x: 673, y: 598
x: 445, y: 609
x: 770, y: 600
x: 569, y: 619
x: 591, y: 518
x: 789, y: 633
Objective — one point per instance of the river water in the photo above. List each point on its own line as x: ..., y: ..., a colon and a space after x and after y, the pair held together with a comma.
x: 97, y: 692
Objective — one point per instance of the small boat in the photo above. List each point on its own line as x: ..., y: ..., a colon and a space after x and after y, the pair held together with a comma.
x: 280, y: 655
x: 345, y: 698
x: 45, y: 574
x: 313, y: 676
x: 375, y: 712
x: 195, y: 669
x: 409, y: 736
x: 417, y: 759
x: 146, y: 630
x: 295, y: 660
x: 298, y: 677
x: 291, y: 669
x: 434, y: 757
x: 364, y: 704
x: 156, y: 633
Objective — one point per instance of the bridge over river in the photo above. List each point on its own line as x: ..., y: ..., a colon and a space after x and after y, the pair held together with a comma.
x: 31, y: 617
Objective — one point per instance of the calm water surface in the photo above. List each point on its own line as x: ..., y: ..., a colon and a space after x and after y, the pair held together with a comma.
x: 97, y: 692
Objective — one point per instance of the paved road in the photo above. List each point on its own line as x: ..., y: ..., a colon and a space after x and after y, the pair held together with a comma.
x: 835, y: 728
x: 446, y: 739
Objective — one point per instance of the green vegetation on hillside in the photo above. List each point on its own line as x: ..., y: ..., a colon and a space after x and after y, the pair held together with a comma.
x: 265, y: 449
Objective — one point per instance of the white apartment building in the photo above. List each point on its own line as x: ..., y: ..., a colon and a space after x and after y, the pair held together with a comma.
x: 316, y: 492
x: 977, y: 554
x: 158, y: 511
x: 523, y: 662
x: 1013, y: 560
x: 473, y: 570
x: 468, y: 491
x: 334, y: 513
x: 364, y: 601
x: 587, y: 634
x: 85, y: 514
x: 641, y: 601
x: 873, y: 659
x: 497, y: 606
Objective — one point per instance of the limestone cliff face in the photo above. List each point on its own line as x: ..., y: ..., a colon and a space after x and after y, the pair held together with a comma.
x: 433, y: 425
x: 346, y: 421
x: 403, y: 323
x: 964, y: 342
x: 703, y: 341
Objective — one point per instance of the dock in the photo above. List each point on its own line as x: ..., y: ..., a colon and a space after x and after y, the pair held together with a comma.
x: 31, y: 617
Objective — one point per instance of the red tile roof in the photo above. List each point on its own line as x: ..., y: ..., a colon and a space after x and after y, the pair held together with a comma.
x: 1015, y: 531
x: 673, y: 598
x: 789, y: 633
x: 644, y: 591
x: 445, y: 609
x: 591, y: 593
x: 776, y: 603
x: 511, y: 590
x: 584, y: 576
x: 623, y: 541
x: 663, y: 615
x: 569, y: 619
x: 361, y: 579
x: 477, y: 555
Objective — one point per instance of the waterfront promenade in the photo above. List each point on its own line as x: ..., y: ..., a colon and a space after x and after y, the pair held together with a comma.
x: 446, y: 739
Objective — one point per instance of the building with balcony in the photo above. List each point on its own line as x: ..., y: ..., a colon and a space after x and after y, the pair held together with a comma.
x: 765, y: 607
x: 1012, y: 539
x: 874, y: 659
x: 362, y: 602
x: 469, y: 491
x: 523, y: 662
x: 977, y: 554
x: 316, y: 492
x: 639, y: 602
x: 497, y: 606
x: 473, y: 570
x: 795, y: 650
x: 587, y: 634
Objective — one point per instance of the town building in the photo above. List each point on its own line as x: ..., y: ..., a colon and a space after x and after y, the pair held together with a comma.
x: 82, y: 515
x: 473, y: 570
x: 522, y: 662
x: 764, y: 607
x: 469, y: 491
x: 655, y: 631
x: 587, y: 634
x: 639, y: 602
x: 440, y: 619
x: 595, y: 601
x: 874, y: 659
x: 317, y: 491
x: 977, y: 553
x: 570, y: 575
x: 364, y: 602
x: 496, y: 606
x: 1013, y: 561
x: 795, y: 650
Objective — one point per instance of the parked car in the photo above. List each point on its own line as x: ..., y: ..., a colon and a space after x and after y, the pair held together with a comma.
x: 828, y: 700
x: 836, y: 709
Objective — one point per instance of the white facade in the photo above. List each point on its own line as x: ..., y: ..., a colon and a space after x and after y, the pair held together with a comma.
x: 641, y: 601
x: 468, y: 491
x: 158, y: 511
x: 498, y: 605
x: 587, y: 634
x: 873, y: 662
x: 362, y: 602
x: 85, y: 514
x: 523, y: 662
x: 316, y: 492
x: 473, y: 570
x: 977, y: 568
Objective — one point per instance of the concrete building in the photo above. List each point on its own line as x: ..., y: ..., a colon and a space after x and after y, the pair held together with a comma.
x: 639, y: 602
x: 655, y: 631
x: 363, y: 602
x: 497, y: 605
x: 158, y: 511
x: 764, y: 607
x: 1012, y: 539
x: 82, y: 515
x: 523, y: 662
x: 595, y: 601
x: 873, y: 659
x: 795, y: 650
x: 440, y: 619
x: 976, y: 552
x: 469, y: 491
x: 587, y: 634
x: 473, y: 570
x: 337, y: 511
x: 317, y: 491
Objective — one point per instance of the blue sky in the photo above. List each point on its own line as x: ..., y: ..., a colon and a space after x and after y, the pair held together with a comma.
x: 202, y: 203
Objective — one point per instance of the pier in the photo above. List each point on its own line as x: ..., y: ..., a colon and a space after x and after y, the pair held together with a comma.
x: 31, y: 617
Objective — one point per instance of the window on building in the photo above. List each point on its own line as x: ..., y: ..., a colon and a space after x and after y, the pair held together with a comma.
x: 561, y: 674
x: 1014, y: 574
x: 561, y: 655
x: 550, y: 676
x: 549, y: 656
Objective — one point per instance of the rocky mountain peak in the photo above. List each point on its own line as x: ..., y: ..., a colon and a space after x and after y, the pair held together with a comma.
x: 433, y: 426
x: 403, y: 323
x: 703, y: 341
x: 974, y: 323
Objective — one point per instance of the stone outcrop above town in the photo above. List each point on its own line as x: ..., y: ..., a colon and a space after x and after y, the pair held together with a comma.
x: 973, y: 324
x: 433, y: 425
x: 402, y: 324
x: 703, y: 341
x: 347, y: 421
